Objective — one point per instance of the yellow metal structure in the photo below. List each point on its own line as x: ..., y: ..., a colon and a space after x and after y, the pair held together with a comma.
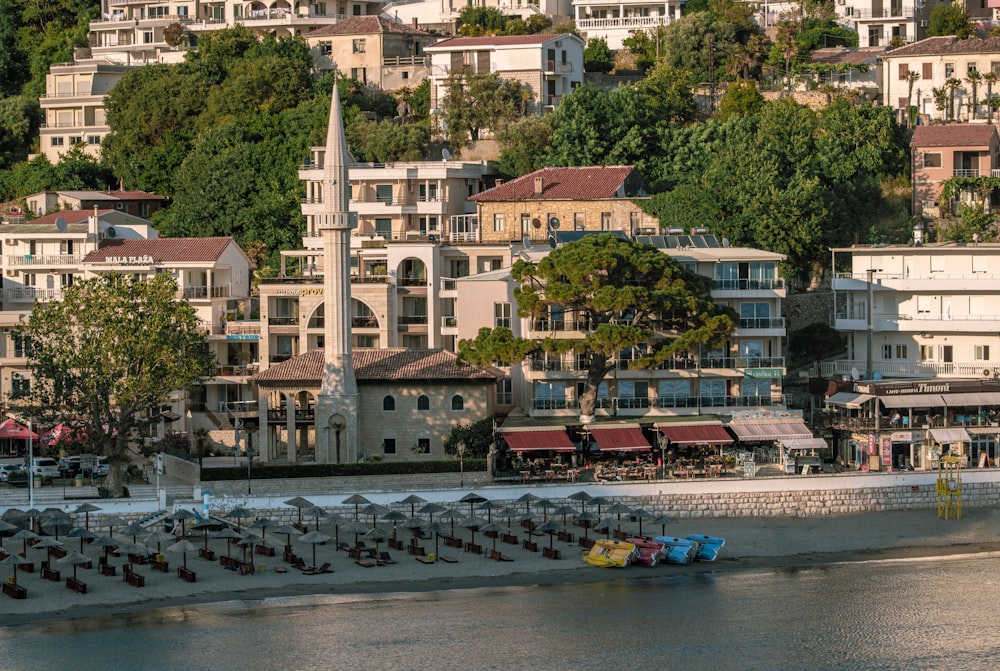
x: 949, y: 487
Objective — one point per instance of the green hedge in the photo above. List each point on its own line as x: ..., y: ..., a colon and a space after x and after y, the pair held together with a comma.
x: 334, y: 470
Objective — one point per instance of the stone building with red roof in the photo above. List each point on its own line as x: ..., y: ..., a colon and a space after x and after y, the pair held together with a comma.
x: 590, y: 198
x: 136, y: 203
x: 941, y: 152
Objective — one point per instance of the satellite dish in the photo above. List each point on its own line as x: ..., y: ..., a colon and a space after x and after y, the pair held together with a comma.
x: 855, y: 374
x: 553, y: 222
x: 552, y: 241
x: 725, y: 242
x: 445, y: 154
x: 111, y: 232
x: 60, y: 224
x: 526, y: 241
x: 536, y: 222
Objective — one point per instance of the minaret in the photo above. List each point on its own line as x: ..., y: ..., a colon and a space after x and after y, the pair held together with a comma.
x: 337, y: 439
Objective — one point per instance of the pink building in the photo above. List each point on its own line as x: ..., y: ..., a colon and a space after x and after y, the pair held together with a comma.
x: 953, y: 150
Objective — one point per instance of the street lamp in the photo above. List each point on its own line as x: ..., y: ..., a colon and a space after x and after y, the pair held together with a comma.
x: 461, y: 462
x: 31, y: 465
x: 663, y: 440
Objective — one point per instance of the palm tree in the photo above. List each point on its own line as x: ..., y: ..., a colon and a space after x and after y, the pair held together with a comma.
x: 911, y: 79
x: 952, y: 85
x: 990, y: 78
x: 974, y: 78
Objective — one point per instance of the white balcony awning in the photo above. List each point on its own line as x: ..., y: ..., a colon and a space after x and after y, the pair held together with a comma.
x: 950, y: 435
x: 805, y: 444
x: 849, y: 399
x: 913, y: 401
x: 972, y: 399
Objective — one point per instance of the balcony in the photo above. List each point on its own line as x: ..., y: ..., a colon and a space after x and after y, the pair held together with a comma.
x: 965, y: 172
x: 910, y: 369
x: 364, y: 322
x: 549, y: 325
x: 561, y: 68
x: 762, y: 323
x: 204, y: 292
x: 411, y: 320
x: 283, y: 321
x: 31, y: 294
x: 47, y: 260
x: 897, y: 13
x: 771, y: 284
x: 623, y: 23
x: 449, y: 322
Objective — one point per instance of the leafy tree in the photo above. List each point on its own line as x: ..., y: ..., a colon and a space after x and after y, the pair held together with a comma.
x: 481, y: 21
x: 385, y: 142
x: 525, y: 145
x: 820, y: 34
x: 78, y: 170
x: 742, y: 97
x: 633, y: 296
x: 816, y: 342
x: 597, y: 57
x: 13, y: 59
x: 478, y: 439
x: 973, y: 223
x: 537, y: 23
x: 26, y: 178
x: 418, y: 97
x: 475, y: 101
x: 20, y: 117
x: 113, y: 349
x: 689, y: 205
x: 174, y: 34
x: 950, y: 19
x: 686, y: 44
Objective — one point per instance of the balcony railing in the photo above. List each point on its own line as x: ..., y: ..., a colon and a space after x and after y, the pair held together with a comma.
x: 628, y: 22
x: 28, y: 294
x: 409, y: 320
x: 412, y: 281
x: 561, y: 325
x: 44, y: 260
x: 916, y: 369
x: 556, y: 66
x: 631, y: 403
x: 283, y: 321
x: 364, y: 322
x: 763, y: 323
x: 749, y: 285
x: 207, y: 292
x: 965, y: 172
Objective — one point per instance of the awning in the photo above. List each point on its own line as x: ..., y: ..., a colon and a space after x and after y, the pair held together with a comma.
x: 913, y: 401
x: 696, y: 434
x: 973, y: 399
x: 756, y: 430
x: 950, y: 435
x: 541, y: 438
x: 849, y: 399
x: 620, y: 438
x: 805, y: 444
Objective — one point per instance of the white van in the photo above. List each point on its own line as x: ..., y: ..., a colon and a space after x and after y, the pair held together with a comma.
x: 45, y: 467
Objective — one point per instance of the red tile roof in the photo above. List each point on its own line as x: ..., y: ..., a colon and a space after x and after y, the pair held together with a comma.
x: 70, y: 216
x: 495, y: 41
x: 366, y: 25
x: 947, y: 45
x: 953, y: 135
x: 584, y: 183
x: 845, y: 55
x: 381, y: 365
x: 162, y: 250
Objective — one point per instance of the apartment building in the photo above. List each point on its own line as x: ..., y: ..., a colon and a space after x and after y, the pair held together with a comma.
x: 549, y: 66
x: 934, y: 61
x: 372, y: 50
x: 941, y: 152
x: 442, y: 15
x: 745, y: 373
x: 136, y: 203
x: 616, y: 21
x: 73, y: 105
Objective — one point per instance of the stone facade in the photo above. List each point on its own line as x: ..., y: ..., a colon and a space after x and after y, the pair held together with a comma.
x: 519, y: 218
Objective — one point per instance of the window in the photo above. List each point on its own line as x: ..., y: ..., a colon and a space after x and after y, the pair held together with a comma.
x: 945, y: 354
x: 579, y: 221
x: 525, y: 223
x: 755, y: 315
x: 756, y: 389
x: 501, y: 315
x: 949, y: 70
x: 423, y: 445
x: 932, y: 159
x: 904, y: 68
x: 319, y: 9
x: 20, y: 386
x: 406, y: 75
x: 633, y: 394
x: 359, y: 46
x: 383, y: 193
x: 605, y: 221
x: 93, y: 139
x: 550, y: 395
x: 886, y: 351
x: 457, y: 402
x: 389, y: 446
x: 57, y: 141
x: 902, y: 352
x: 182, y: 10
x: 498, y: 223
x: 674, y: 393
x: 928, y: 71
x: 982, y: 352
x: 383, y: 227
x: 937, y: 264
x: 388, y: 404
x: 924, y: 305
x: 147, y: 37
x: 423, y: 403
x: 75, y: 139
x: 505, y: 391
x: 713, y: 392
x: 157, y: 12
x: 325, y: 48
x: 970, y: 68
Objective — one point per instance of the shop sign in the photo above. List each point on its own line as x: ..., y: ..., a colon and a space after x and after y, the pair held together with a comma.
x: 762, y: 373
x: 768, y: 414
x: 872, y: 444
x: 887, y: 451
x: 242, y: 336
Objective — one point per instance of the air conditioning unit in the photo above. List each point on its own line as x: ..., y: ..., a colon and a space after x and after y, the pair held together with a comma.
x: 11, y: 272
x: 841, y: 2
x: 987, y: 372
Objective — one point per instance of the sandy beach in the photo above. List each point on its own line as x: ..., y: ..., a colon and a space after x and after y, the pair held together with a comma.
x: 751, y: 544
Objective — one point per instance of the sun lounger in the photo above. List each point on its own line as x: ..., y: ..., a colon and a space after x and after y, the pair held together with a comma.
x: 385, y: 558
x: 325, y: 568
x: 496, y: 555
x: 50, y: 574
x: 280, y: 569
x: 365, y: 562
x: 448, y: 560
x: 424, y: 560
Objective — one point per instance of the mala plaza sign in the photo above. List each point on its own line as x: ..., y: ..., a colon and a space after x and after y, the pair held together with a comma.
x: 131, y: 260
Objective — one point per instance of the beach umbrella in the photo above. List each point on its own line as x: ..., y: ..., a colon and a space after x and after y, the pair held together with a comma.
x: 580, y: 496
x: 134, y: 530
x: 287, y: 530
x: 183, y: 546
x: 209, y: 525
x: 550, y: 528
x: 33, y: 514
x: 489, y: 507
x: 375, y: 510
x: 472, y: 523
x: 663, y: 521
x: 639, y: 514
x: 5, y: 528
x: 300, y: 503
x: 564, y: 511
x: 430, y: 509
x: 86, y: 509
x: 314, y: 538
x: 435, y: 529
x: 12, y: 560
x: 357, y: 528
x: 600, y: 501
x: 46, y: 544
x: 510, y: 513
x: 113, y: 521
x: 491, y: 528
x: 15, y: 516
x: 25, y: 535
x: 56, y: 522
x: 585, y: 519
x: 262, y: 523
x: 618, y: 509
x: 451, y: 514
x: 132, y: 550
x: 248, y: 541
x: 376, y: 536
x: 336, y: 520
x: 395, y: 517
x: 412, y: 500
x: 239, y: 513
x: 182, y: 515
x: 605, y: 525
x: 472, y: 498
x: 74, y: 559
x: 526, y: 499
x: 415, y: 524
x: 229, y: 535
x: 317, y: 512
x: 546, y: 506
x: 357, y: 501
x: 158, y: 537
x: 529, y: 518
x: 106, y: 542
x: 83, y: 534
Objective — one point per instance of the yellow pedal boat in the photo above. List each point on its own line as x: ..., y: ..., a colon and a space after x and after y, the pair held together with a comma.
x: 610, y: 554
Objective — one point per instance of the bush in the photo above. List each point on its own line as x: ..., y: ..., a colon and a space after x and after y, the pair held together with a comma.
x: 291, y: 471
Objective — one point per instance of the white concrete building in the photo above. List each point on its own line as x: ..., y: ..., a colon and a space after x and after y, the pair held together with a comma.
x: 443, y: 14
x: 616, y: 21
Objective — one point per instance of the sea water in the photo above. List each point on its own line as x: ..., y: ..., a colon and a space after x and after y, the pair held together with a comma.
x: 939, y: 613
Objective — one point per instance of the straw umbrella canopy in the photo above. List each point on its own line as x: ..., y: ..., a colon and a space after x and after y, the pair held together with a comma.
x: 183, y: 546
x: 376, y: 536
x: 15, y: 516
x: 86, y: 509
x: 663, y: 521
x: 313, y: 538
x: 605, y: 526
x: 132, y: 550
x: 317, y: 512
x: 580, y: 496
x: 586, y: 518
x: 395, y: 517
x: 451, y: 514
x: 12, y: 560
x: 47, y: 544
x: 491, y: 528
x: 375, y: 510
x: 158, y: 537
x: 546, y: 506
x: 25, y: 535
x: 239, y: 513
x: 430, y: 509
x: 472, y: 498
x: 83, y: 533
x: 56, y: 521
x: 300, y: 503
x: 526, y: 499
x: 357, y: 501
x: 112, y: 521
x: 74, y: 559
x: 287, y: 530
x: 510, y: 513
x: 639, y: 514
x: 618, y: 509
x: 529, y: 518
x: 229, y: 535
x: 550, y: 528
x: 248, y: 541
x: 134, y: 530
x: 435, y: 529
x: 106, y: 542
x: 182, y: 515
x: 357, y: 528
x: 415, y: 524
x: 489, y: 507
x: 564, y: 511
x: 600, y: 501
x: 412, y: 500
x: 5, y: 527
x: 262, y: 523
x: 472, y: 523
x: 209, y: 525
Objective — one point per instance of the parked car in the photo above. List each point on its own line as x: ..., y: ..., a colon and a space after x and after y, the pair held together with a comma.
x: 86, y: 464
x: 7, y: 469
x: 45, y: 467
